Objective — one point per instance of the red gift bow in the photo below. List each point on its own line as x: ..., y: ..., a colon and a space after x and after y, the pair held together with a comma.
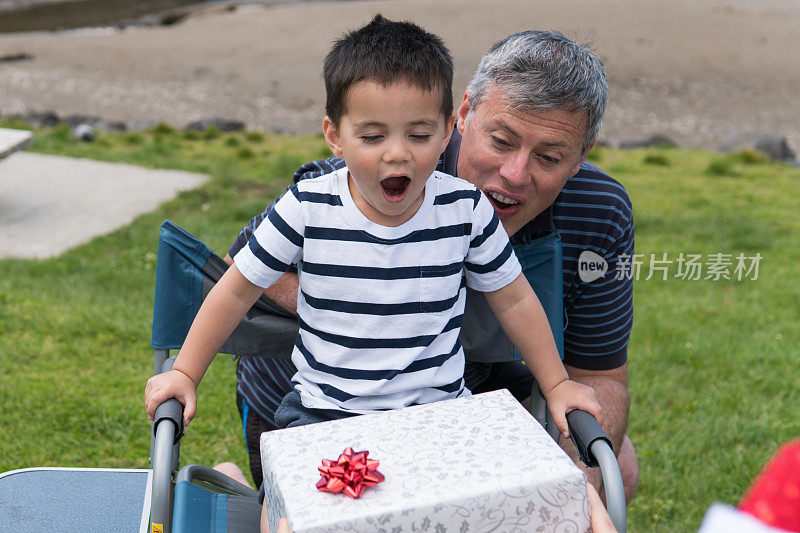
x: 352, y: 473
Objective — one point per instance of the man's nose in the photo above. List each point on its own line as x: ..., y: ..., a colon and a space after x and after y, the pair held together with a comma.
x: 516, y: 170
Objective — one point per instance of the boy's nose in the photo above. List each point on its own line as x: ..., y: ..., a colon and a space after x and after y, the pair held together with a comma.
x: 396, y: 152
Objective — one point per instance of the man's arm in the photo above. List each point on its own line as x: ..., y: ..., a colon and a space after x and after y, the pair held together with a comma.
x: 611, y: 387
x: 283, y: 292
x: 600, y: 312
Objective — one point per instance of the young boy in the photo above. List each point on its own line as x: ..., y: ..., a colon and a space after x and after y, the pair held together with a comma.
x: 385, y: 248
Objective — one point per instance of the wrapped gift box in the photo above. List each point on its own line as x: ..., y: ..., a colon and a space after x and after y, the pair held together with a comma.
x: 480, y: 463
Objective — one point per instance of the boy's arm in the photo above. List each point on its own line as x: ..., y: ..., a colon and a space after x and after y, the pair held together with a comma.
x: 219, y: 315
x: 524, y: 321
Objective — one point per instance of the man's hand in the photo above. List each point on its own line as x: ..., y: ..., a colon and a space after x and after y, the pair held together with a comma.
x: 567, y: 396
x: 172, y: 384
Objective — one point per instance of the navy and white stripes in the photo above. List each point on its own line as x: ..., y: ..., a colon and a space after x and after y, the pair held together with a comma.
x: 593, y: 212
x: 380, y: 308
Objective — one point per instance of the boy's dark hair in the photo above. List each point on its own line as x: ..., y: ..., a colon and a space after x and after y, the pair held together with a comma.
x: 386, y: 51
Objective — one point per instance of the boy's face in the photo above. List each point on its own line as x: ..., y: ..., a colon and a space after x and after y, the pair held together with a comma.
x: 391, y: 138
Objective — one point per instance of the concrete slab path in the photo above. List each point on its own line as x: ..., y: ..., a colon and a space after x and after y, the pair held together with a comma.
x: 13, y: 140
x: 49, y: 204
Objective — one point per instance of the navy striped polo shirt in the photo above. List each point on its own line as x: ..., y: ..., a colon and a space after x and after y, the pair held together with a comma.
x: 592, y: 213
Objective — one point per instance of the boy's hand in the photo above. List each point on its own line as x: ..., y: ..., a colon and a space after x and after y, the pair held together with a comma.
x: 172, y: 384
x: 567, y: 396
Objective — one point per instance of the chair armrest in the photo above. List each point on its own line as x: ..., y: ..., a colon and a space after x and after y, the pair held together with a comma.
x: 594, y: 449
x: 584, y: 430
x: 168, y: 428
x: 216, y: 478
x: 161, y: 461
x: 172, y: 411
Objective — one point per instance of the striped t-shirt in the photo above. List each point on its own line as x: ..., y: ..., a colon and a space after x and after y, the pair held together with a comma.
x: 593, y: 212
x: 380, y: 308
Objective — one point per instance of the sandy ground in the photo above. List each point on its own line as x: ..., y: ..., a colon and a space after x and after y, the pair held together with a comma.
x: 694, y: 70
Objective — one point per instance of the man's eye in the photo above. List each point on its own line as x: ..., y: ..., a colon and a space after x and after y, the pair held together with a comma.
x: 369, y: 139
x: 497, y: 141
x: 421, y: 138
x: 550, y: 160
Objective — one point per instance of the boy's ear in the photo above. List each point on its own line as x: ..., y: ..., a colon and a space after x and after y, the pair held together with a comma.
x: 331, y: 135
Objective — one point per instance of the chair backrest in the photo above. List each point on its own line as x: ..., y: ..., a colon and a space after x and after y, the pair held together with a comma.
x: 187, y: 269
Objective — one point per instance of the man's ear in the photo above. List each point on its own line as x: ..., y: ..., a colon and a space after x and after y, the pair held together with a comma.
x: 586, y: 155
x: 583, y: 159
x: 331, y: 135
x: 462, y: 112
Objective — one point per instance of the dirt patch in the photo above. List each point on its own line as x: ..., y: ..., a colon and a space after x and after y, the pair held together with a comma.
x: 694, y: 71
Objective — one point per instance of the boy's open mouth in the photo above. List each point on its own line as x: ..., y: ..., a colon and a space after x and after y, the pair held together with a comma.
x: 395, y: 187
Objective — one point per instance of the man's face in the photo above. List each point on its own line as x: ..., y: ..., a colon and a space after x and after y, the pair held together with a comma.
x: 519, y: 159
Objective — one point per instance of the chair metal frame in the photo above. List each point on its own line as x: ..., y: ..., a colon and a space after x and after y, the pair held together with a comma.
x: 593, y: 445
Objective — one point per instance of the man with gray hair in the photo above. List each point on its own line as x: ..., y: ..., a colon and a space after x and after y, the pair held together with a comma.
x: 525, y: 125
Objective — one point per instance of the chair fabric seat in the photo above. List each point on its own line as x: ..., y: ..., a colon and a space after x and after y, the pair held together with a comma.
x: 198, y: 510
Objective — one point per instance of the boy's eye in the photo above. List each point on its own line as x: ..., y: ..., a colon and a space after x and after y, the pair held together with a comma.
x: 421, y: 138
x: 369, y: 139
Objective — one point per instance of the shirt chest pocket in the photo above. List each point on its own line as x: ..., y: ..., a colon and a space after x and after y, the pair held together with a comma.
x: 440, y: 285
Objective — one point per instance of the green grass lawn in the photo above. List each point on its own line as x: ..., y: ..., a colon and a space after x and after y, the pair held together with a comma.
x: 713, y: 363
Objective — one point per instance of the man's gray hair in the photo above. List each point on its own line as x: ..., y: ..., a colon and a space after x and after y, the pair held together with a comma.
x: 544, y: 70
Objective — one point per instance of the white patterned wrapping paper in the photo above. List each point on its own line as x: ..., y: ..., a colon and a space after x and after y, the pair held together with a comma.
x: 474, y: 464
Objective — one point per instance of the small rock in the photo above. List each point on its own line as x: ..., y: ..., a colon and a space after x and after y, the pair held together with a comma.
x: 657, y: 140
x: 97, y: 123
x: 774, y: 145
x: 9, y: 58
x: 222, y: 124
x: 84, y: 132
x: 116, y: 125
x: 173, y: 17
x: 151, y: 19
x: 46, y: 119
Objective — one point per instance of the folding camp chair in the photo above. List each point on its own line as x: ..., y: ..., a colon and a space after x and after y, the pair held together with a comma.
x: 186, y: 271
